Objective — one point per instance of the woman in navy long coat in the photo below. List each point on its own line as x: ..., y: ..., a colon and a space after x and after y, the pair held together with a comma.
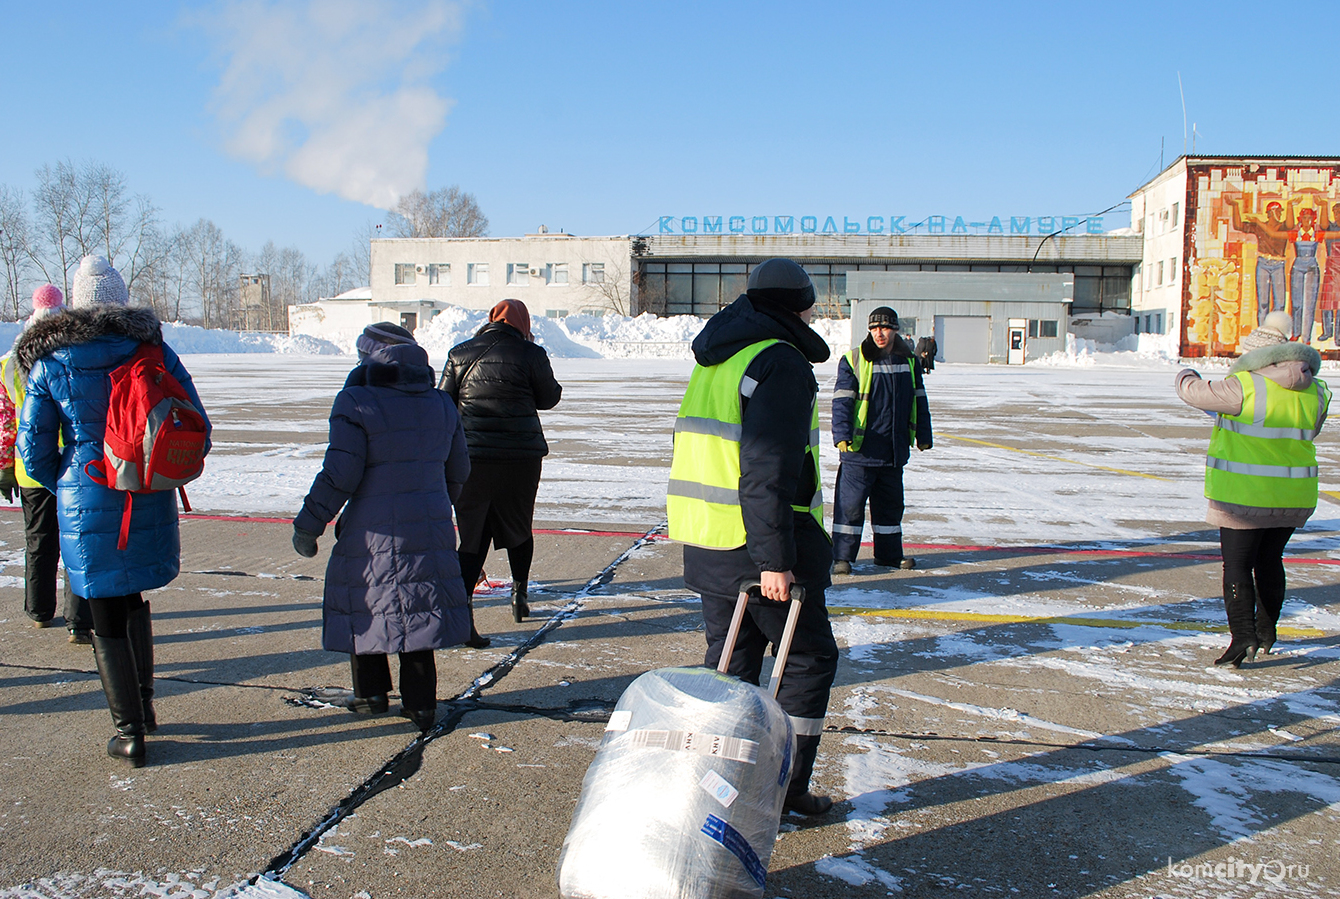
x: 396, y: 459
x: 68, y: 359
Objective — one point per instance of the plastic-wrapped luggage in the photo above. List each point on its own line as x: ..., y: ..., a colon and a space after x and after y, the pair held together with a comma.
x: 685, y: 793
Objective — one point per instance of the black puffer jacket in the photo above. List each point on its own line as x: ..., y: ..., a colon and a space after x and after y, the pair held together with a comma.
x: 499, y: 381
x: 775, y: 432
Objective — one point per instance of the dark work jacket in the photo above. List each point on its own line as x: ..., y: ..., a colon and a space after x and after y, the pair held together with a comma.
x: 499, y: 381
x: 774, y: 469
x: 889, y: 420
x: 396, y: 456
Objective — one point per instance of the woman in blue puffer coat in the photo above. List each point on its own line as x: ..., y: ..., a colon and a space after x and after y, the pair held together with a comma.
x: 67, y: 359
x: 397, y: 457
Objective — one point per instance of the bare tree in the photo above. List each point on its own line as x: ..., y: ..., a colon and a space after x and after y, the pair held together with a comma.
x: 338, y: 277
x: 608, y: 286
x: 210, y: 265
x: 360, y: 253
x: 53, y: 249
x: 160, y: 284
x: 13, y: 249
x: 446, y: 212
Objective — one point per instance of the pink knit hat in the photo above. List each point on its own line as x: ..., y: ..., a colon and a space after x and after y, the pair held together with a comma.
x: 46, y: 300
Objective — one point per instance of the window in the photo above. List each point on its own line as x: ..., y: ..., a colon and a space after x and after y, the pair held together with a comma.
x: 1172, y: 270
x: 1174, y: 215
x: 558, y: 273
x: 1160, y: 274
x: 1042, y: 327
x: 477, y: 273
x: 518, y: 274
x: 404, y: 273
x: 555, y: 313
x: 440, y: 273
x: 908, y: 326
x: 593, y: 272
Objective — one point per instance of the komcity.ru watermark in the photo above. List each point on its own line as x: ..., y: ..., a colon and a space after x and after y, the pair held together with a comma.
x: 1270, y: 870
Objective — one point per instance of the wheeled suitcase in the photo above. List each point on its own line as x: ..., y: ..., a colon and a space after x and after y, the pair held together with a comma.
x: 685, y: 793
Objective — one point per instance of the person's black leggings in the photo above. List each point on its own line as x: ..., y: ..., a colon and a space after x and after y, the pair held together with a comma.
x: 418, y: 678
x: 111, y: 614
x: 1254, y: 551
x: 518, y: 559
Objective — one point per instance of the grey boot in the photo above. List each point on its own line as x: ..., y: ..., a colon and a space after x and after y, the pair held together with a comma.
x: 120, y: 683
x: 1240, y: 606
x: 141, y: 633
x: 1269, y: 602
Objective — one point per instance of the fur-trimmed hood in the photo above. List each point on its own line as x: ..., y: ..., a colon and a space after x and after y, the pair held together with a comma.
x: 1291, y: 351
x: 76, y: 326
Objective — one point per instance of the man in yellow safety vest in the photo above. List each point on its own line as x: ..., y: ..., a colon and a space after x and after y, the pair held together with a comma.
x: 745, y: 498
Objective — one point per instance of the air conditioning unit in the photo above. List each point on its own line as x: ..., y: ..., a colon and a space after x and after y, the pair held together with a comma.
x: 536, y: 272
x: 420, y: 269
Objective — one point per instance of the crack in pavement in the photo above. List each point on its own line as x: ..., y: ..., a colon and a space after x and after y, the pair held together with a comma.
x: 407, y: 761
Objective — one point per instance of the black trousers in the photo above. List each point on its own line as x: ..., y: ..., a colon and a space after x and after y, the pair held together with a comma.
x: 1254, y: 556
x: 882, y: 486
x: 111, y: 614
x: 41, y: 535
x: 418, y: 678
x: 810, y: 668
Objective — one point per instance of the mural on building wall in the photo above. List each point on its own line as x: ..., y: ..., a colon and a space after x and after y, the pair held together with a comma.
x: 1264, y: 238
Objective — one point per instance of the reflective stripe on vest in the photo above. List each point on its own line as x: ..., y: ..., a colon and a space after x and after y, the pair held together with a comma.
x: 1264, y: 457
x: 865, y: 375
x: 703, y: 499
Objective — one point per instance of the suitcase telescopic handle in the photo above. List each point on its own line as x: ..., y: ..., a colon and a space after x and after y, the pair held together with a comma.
x: 754, y: 589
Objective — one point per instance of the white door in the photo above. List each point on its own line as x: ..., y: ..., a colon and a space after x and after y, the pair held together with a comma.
x: 1016, y: 335
x: 963, y: 338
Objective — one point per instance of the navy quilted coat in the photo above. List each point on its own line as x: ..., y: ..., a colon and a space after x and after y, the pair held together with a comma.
x: 396, y: 456
x: 69, y: 357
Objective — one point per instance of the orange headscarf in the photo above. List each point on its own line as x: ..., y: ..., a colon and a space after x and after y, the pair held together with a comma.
x: 514, y: 313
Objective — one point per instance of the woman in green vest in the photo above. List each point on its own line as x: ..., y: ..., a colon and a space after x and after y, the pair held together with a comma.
x: 1260, y: 472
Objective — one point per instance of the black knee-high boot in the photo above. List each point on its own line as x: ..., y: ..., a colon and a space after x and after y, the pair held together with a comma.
x: 120, y: 682
x: 1269, y: 602
x: 1240, y: 606
x: 141, y: 632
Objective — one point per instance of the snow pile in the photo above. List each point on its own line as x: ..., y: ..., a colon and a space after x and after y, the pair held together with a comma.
x: 1134, y: 350
x: 187, y: 339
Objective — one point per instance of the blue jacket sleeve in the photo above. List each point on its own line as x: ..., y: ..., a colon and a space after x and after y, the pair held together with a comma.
x: 38, y: 442
x: 923, y: 435
x: 844, y: 403
x: 172, y: 362
x: 341, y: 470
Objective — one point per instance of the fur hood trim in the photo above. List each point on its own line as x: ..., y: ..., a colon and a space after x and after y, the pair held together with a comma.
x: 75, y: 326
x: 1281, y: 352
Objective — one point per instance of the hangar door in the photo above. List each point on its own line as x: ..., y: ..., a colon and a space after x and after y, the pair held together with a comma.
x: 963, y: 338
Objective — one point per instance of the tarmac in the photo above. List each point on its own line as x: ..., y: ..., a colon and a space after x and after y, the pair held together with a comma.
x: 1013, y: 752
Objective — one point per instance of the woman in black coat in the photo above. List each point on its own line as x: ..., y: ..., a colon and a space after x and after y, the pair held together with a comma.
x: 500, y: 379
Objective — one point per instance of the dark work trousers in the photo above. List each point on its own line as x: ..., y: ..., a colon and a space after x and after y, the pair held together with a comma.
x: 1258, y: 552
x: 882, y: 486
x: 41, y: 533
x: 810, y: 667
x: 418, y: 678
x: 111, y: 614
x: 519, y: 558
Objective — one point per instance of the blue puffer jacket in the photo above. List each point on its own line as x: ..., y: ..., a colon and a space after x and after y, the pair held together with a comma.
x: 396, y: 455
x: 69, y: 357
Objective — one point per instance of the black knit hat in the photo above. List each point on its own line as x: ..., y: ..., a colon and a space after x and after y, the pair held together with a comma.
x: 883, y: 317
x: 782, y: 283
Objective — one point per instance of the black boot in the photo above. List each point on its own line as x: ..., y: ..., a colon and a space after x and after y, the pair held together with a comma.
x: 141, y: 633
x: 1240, y: 606
x: 423, y: 719
x: 520, y: 609
x: 475, y: 640
x: 1269, y: 602
x: 116, y: 667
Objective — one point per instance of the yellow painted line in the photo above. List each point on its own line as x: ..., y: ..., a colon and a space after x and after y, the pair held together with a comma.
x: 983, y: 618
x: 1015, y: 449
x: 1334, y: 495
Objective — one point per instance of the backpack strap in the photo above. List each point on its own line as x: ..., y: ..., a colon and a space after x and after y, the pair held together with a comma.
x: 124, y: 538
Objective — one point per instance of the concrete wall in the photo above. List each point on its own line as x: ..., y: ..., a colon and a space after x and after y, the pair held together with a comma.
x: 1159, y: 214
x: 542, y: 293
x: 924, y: 296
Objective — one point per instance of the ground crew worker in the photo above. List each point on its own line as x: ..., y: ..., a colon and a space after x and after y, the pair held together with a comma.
x: 745, y: 496
x: 1260, y: 472
x: 879, y: 411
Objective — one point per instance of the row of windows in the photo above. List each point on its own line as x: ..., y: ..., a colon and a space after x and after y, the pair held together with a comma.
x: 1149, y: 323
x: 477, y: 274
x: 1159, y: 273
x: 701, y: 288
x: 1042, y: 327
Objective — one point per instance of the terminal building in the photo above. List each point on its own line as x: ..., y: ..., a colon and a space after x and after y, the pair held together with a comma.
x: 1208, y: 239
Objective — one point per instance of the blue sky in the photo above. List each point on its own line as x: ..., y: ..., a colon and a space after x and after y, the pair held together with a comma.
x: 288, y: 122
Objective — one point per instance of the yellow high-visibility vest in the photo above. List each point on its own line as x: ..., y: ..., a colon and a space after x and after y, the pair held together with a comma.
x: 14, y: 385
x: 1264, y: 456
x: 703, y: 499
x: 865, y: 376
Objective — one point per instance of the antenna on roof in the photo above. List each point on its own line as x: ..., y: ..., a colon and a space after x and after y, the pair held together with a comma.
x: 1181, y: 93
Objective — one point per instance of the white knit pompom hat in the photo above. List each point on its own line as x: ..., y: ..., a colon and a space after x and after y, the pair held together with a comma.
x: 1275, y: 329
x: 96, y: 283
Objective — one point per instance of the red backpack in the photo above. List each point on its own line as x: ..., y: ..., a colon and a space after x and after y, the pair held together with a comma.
x: 155, y: 438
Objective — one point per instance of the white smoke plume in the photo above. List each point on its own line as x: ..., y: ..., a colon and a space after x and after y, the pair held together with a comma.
x: 334, y: 94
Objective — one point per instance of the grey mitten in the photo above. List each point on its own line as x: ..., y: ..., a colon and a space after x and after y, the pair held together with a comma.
x: 304, y: 542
